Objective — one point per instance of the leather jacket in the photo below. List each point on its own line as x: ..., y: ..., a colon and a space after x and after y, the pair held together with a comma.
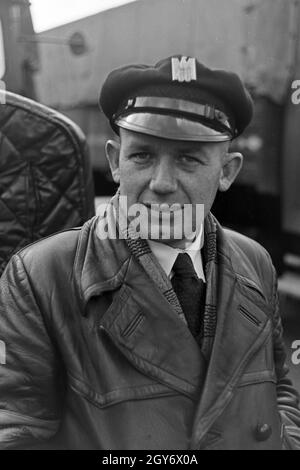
x: 97, y: 359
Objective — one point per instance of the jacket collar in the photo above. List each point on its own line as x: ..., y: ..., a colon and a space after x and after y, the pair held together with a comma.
x: 114, y: 256
x: 98, y: 266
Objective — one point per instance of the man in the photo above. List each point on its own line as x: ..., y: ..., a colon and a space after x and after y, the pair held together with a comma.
x: 114, y: 341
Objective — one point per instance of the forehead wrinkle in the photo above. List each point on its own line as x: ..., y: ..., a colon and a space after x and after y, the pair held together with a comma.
x: 143, y: 143
x: 138, y: 146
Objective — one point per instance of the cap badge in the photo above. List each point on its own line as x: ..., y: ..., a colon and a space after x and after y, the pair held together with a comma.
x: 184, y: 69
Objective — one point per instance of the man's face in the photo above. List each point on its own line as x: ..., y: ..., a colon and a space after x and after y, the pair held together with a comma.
x: 152, y: 170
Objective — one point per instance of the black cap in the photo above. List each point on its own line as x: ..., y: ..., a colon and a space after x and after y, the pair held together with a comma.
x: 179, y: 98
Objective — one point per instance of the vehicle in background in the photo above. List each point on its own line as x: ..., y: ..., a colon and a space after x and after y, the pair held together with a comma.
x: 18, y: 52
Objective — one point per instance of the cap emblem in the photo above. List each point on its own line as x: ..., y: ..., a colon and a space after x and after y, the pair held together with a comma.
x: 184, y: 69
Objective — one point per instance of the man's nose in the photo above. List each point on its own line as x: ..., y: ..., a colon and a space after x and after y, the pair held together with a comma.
x: 163, y: 180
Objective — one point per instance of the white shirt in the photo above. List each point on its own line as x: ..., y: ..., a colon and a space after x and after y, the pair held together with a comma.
x: 166, y: 255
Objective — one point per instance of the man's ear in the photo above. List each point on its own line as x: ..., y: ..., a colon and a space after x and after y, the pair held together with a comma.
x: 112, y: 150
x: 232, y: 164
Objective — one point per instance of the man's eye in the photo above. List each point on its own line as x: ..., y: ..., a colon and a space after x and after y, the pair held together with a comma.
x: 141, y: 157
x: 187, y: 159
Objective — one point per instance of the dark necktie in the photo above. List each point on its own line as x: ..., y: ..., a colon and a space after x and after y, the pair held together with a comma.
x: 190, y: 291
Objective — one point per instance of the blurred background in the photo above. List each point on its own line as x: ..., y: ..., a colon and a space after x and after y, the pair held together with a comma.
x: 60, y: 52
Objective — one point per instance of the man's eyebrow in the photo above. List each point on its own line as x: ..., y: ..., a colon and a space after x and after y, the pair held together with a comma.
x: 192, y: 149
x: 138, y: 147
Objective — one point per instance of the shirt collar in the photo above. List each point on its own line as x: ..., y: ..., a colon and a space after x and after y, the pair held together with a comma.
x: 166, y: 255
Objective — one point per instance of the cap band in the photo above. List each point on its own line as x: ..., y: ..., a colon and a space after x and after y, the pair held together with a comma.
x: 175, y: 119
x: 183, y: 106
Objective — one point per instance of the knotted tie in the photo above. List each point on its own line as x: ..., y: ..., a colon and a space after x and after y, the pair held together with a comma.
x: 190, y: 291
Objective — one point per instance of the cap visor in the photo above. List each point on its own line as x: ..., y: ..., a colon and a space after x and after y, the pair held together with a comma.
x: 171, y: 127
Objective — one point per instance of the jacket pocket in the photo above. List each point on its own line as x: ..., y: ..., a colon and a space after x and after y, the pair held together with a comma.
x: 113, y: 397
x: 257, y: 377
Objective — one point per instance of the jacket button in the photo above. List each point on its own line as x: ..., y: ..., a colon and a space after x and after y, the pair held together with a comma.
x: 263, y: 432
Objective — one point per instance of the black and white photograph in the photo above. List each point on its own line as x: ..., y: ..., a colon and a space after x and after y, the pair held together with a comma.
x: 149, y: 228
